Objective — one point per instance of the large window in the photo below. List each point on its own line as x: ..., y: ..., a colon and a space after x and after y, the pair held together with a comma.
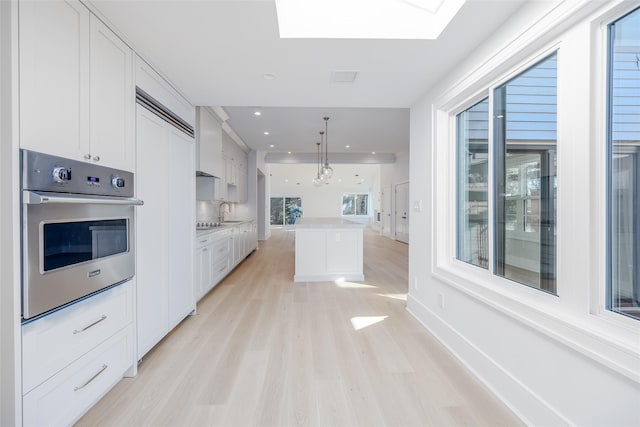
x: 623, y: 291
x: 285, y: 210
x: 473, y: 173
x: 524, y: 134
x: 355, y: 205
x: 524, y: 184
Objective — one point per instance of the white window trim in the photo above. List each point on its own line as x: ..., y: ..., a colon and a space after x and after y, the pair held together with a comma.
x: 577, y: 316
x: 369, y: 205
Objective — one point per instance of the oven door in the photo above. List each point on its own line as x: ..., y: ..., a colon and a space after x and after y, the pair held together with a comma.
x: 73, y: 246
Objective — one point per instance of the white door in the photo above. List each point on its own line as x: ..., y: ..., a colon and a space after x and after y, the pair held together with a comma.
x: 386, y: 210
x: 181, y: 211
x: 151, y: 225
x: 402, y: 212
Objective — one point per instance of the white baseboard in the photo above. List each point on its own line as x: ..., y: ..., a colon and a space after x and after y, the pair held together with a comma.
x: 526, y: 404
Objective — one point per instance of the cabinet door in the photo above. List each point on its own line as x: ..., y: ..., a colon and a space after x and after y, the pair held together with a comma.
x: 151, y: 225
x: 111, y: 98
x: 54, y: 67
x: 242, y: 183
x: 181, y: 208
x: 204, y: 272
x: 209, y: 142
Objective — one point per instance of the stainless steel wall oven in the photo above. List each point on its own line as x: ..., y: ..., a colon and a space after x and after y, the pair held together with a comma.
x: 77, y: 231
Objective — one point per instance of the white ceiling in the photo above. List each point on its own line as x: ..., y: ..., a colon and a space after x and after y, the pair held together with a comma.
x: 291, y: 179
x: 217, y: 51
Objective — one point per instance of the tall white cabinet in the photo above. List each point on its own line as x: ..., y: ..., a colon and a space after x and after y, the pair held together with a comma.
x: 165, y: 181
x: 76, y: 85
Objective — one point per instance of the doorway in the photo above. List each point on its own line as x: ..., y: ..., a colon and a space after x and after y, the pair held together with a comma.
x: 386, y: 211
x: 402, y: 212
x: 262, y: 210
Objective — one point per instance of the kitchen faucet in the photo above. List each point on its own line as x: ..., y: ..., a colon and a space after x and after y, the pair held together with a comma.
x: 221, y: 212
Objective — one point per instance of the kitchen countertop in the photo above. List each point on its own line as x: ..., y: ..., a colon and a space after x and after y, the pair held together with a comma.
x: 224, y: 226
x: 310, y: 223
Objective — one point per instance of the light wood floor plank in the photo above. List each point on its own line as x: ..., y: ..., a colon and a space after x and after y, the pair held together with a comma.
x: 263, y: 350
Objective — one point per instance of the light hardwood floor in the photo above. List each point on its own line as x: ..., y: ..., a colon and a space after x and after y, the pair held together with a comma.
x: 265, y: 351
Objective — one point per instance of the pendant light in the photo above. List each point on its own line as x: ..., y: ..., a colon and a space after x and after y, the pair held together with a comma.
x: 318, y: 180
x: 327, y: 171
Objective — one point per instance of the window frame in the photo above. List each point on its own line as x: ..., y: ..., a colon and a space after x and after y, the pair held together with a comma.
x: 451, y: 115
x: 355, y: 195
x: 605, y: 292
x: 283, y: 197
x: 577, y: 316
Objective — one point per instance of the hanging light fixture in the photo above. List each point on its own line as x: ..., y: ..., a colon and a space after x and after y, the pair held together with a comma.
x: 327, y: 171
x: 318, y: 180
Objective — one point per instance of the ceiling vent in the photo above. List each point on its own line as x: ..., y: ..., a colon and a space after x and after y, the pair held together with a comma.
x: 344, y: 76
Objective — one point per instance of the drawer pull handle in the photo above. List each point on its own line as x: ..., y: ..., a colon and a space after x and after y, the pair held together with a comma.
x: 77, y: 331
x: 91, y: 379
x: 203, y: 241
x: 222, y: 269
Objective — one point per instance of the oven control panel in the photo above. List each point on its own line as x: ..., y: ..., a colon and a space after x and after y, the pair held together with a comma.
x: 61, y: 174
x: 43, y: 172
x: 117, y: 182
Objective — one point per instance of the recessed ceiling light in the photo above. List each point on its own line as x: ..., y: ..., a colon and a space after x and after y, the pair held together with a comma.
x: 271, y: 145
x: 344, y: 76
x: 257, y: 113
x: 268, y: 76
x: 266, y: 132
x: 286, y: 180
x: 347, y: 146
x: 288, y: 152
x: 373, y: 152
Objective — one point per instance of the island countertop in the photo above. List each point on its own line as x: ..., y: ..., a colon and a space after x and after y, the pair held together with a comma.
x: 326, y: 223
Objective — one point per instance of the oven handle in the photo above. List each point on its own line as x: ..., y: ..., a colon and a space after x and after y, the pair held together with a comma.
x: 34, y: 198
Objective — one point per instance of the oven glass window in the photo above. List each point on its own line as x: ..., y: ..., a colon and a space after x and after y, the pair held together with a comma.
x: 70, y: 243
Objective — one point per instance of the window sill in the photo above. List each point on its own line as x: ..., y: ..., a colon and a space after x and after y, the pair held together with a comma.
x: 598, y: 336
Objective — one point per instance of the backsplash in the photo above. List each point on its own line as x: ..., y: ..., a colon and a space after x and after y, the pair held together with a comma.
x: 207, y: 211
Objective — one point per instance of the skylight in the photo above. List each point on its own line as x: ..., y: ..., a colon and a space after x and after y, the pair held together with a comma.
x: 365, y: 19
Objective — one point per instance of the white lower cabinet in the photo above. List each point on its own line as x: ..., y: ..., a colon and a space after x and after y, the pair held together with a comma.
x: 212, y: 260
x: 74, y: 356
x: 219, y: 251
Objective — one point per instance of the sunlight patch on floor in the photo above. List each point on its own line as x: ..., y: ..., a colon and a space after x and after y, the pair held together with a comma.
x: 361, y: 322
x: 341, y: 283
x: 402, y: 297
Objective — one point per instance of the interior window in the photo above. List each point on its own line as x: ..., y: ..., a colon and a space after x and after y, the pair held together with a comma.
x: 524, y: 129
x: 285, y: 210
x: 472, y: 184
x: 623, y: 146
x: 355, y: 204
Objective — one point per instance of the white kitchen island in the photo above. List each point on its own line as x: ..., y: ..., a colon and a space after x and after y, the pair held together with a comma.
x: 328, y: 249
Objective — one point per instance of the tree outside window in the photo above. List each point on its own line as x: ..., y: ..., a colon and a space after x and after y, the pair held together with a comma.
x: 355, y: 205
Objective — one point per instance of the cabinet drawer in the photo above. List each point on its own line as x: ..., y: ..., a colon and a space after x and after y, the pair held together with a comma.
x: 220, y: 249
x: 204, y: 240
x: 66, y: 396
x: 53, y: 342
x: 220, y: 269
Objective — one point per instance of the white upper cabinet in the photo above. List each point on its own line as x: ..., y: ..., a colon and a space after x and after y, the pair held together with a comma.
x: 54, y: 76
x: 209, y: 143
x: 76, y: 85
x: 158, y: 88
x: 111, y: 98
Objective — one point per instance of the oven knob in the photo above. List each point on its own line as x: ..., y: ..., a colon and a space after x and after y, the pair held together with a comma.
x: 117, y: 182
x: 61, y: 174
